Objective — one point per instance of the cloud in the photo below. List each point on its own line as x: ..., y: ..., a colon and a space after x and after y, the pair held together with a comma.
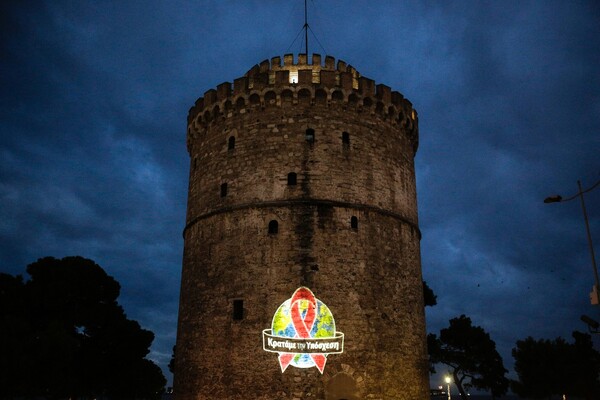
x: 93, y: 120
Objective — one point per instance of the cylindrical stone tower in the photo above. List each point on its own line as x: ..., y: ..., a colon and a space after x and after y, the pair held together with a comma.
x: 301, y: 176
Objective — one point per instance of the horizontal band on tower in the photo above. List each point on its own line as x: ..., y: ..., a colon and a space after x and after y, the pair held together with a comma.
x: 304, y: 202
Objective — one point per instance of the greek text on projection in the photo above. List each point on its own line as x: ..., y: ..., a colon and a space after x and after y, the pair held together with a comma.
x: 278, y: 344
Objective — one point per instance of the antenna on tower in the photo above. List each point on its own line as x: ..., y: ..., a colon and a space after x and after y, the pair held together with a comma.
x: 305, y: 29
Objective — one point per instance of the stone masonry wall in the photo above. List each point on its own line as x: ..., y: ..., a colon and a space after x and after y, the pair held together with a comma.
x: 359, y: 165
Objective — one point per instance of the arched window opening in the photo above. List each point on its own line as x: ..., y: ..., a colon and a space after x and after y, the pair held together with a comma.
x: 310, y: 135
x: 345, y: 139
x: 354, y: 223
x: 238, y: 309
x: 352, y: 99
x: 320, y: 96
x: 304, y: 96
x: 255, y: 99
x: 291, y: 179
x: 231, y: 143
x: 337, y: 96
x: 270, y: 98
x: 240, y: 103
x: 223, y: 189
x: 273, y: 227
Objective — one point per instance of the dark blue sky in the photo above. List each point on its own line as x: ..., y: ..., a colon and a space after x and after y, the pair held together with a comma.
x: 94, y: 98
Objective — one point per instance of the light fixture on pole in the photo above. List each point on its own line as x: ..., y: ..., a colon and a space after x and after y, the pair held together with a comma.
x: 594, y: 297
x: 448, y: 380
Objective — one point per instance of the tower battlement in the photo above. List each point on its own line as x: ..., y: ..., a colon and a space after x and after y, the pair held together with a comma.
x: 276, y: 83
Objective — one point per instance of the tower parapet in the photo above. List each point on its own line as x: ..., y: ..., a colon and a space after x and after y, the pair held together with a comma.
x: 276, y: 83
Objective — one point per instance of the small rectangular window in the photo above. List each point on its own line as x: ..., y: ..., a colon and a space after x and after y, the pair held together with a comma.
x: 223, y: 189
x: 238, y: 309
x: 346, y: 139
x: 310, y: 135
x: 291, y: 179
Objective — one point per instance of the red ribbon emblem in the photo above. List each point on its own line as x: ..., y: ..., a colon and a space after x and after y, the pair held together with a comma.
x: 303, y: 326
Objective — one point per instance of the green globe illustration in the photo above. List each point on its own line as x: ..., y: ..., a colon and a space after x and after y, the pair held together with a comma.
x: 323, y: 327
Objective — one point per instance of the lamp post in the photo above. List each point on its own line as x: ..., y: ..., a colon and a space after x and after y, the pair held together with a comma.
x: 558, y: 199
x: 447, y: 379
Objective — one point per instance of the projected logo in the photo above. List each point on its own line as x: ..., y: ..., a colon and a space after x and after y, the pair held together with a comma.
x: 303, y: 332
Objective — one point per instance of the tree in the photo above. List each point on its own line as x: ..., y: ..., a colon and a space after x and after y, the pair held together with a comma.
x: 171, y: 365
x: 63, y: 335
x: 428, y: 295
x: 471, y: 355
x: 555, y: 367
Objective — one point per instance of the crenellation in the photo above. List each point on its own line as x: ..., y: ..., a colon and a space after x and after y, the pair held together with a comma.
x: 316, y: 59
x: 224, y: 91
x: 276, y: 63
x: 397, y: 98
x: 210, y: 98
x: 328, y: 85
x: 288, y: 60
x: 383, y: 93
x: 240, y: 85
x: 265, y: 65
x: 329, y: 62
x: 366, y: 86
x: 346, y: 80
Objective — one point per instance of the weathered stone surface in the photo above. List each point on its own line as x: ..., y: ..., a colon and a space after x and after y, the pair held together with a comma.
x: 359, y: 164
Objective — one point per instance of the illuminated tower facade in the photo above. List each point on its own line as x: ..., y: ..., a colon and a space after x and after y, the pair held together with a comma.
x: 301, y: 193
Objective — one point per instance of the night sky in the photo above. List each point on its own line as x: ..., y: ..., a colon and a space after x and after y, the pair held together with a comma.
x: 94, y: 98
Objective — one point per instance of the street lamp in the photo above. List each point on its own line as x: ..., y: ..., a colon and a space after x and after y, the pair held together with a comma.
x: 558, y: 199
x: 447, y: 379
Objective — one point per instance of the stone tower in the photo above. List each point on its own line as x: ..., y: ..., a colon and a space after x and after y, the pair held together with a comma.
x: 301, y: 176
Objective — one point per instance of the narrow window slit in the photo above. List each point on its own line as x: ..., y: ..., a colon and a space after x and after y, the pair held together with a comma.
x: 273, y: 227
x: 310, y: 135
x: 238, y: 309
x: 345, y: 139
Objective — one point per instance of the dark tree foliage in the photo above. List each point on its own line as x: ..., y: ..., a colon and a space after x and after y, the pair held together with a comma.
x: 555, y: 367
x: 63, y: 335
x: 428, y: 295
x: 471, y: 355
x: 172, y: 361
